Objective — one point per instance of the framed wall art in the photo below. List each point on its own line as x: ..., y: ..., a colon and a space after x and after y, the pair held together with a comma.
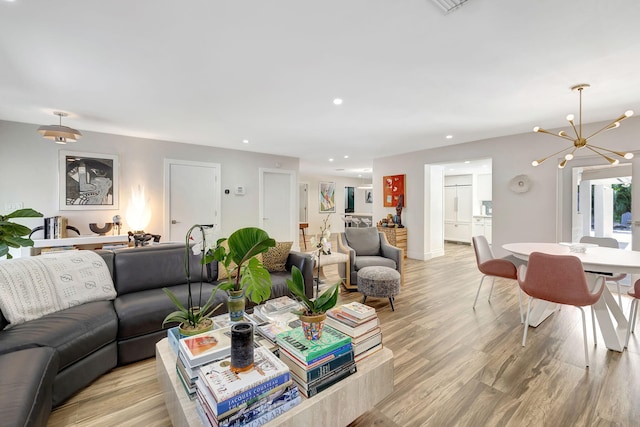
x: 88, y: 181
x: 392, y: 189
x: 327, y: 197
x: 368, y: 196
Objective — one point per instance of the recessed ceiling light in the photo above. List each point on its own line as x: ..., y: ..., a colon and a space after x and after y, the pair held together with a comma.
x: 359, y: 175
x: 467, y: 162
x: 337, y: 101
x: 331, y: 160
x: 245, y: 141
x: 449, y: 136
x: 346, y: 157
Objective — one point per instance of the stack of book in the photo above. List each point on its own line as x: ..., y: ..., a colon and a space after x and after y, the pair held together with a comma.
x: 199, y: 350
x: 361, y: 323
x: 316, y: 365
x: 55, y: 227
x: 251, y: 398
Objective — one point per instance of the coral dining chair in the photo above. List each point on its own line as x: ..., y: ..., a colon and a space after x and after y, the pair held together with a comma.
x: 633, y: 311
x: 559, y: 279
x: 607, y: 242
x: 493, y: 267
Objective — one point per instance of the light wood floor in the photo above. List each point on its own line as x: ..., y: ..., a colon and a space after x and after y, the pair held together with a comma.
x: 453, y: 365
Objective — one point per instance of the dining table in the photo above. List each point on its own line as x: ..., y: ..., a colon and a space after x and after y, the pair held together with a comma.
x: 596, y: 261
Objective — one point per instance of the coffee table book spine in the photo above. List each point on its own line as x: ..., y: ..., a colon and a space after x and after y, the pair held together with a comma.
x: 319, y: 371
x: 225, y: 385
x: 192, y: 373
x: 338, y: 314
x: 349, y: 330
x: 318, y: 386
x: 306, y: 350
x: 265, y: 418
x: 368, y: 353
x: 367, y: 344
x: 319, y: 361
x: 173, y: 336
x: 197, y: 350
x: 358, y: 310
x: 375, y: 331
x: 260, y: 409
x: 189, y: 388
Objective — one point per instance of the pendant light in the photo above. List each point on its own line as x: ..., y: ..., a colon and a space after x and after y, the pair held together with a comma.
x: 58, y: 133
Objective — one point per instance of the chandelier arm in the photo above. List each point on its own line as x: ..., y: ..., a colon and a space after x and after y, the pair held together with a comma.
x: 551, y: 155
x: 568, y: 138
x: 607, y: 158
x: 576, y: 130
x: 617, y: 153
x: 609, y: 126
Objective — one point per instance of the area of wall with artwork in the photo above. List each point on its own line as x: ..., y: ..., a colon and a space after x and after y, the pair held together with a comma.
x: 88, y: 181
x: 392, y: 189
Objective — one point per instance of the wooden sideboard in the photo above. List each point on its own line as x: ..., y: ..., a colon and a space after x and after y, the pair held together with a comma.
x: 397, y: 237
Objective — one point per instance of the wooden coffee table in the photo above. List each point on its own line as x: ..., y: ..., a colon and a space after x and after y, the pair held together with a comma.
x: 337, y: 406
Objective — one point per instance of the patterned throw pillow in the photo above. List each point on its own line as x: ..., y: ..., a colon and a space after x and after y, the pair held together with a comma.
x: 275, y: 258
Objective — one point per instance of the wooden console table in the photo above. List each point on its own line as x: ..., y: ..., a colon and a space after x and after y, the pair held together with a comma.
x: 396, y: 236
x: 337, y: 406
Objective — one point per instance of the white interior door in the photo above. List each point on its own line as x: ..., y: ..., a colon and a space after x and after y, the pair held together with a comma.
x: 192, y: 196
x: 278, y: 204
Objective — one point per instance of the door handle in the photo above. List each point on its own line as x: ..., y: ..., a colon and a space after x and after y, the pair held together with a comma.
x: 173, y: 221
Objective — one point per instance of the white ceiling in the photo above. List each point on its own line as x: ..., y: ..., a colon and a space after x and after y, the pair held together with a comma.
x: 218, y: 72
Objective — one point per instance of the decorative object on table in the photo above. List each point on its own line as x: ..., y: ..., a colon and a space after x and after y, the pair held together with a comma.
x: 327, y: 197
x: 206, y: 347
x: 117, y: 221
x: 398, y: 217
x: 321, y: 246
x: 580, y: 141
x: 12, y: 234
x: 58, y: 133
x: 520, y: 184
x: 88, y: 181
x: 246, y: 275
x: 194, y: 319
x: 140, y: 238
x: 101, y: 230
x: 241, y: 347
x: 313, y: 314
x: 392, y: 189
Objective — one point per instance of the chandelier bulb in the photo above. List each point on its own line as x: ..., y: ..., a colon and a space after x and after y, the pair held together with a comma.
x: 562, y: 164
x: 535, y: 163
x: 628, y: 113
x: 569, y: 156
x: 536, y: 129
x: 628, y: 156
x: 615, y: 162
x: 570, y: 117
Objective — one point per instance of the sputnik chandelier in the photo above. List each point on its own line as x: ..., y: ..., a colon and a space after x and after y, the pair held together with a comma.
x: 581, y: 142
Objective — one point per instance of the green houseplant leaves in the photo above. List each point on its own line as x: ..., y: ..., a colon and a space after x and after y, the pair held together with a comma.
x: 11, y: 234
x: 324, y: 302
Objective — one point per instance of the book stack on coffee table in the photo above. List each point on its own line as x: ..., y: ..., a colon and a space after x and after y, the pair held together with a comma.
x: 253, y: 397
x: 316, y: 365
x: 361, y: 323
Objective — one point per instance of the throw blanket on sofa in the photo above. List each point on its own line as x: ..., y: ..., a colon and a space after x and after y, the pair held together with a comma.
x: 33, y: 287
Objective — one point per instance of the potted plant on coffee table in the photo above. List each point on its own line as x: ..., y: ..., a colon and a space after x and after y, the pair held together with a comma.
x: 247, y: 277
x: 313, y: 315
x: 193, y: 319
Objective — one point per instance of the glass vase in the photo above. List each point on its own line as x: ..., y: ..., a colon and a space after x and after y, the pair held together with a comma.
x: 235, y: 305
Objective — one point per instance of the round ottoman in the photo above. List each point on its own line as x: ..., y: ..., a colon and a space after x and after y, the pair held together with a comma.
x: 380, y: 282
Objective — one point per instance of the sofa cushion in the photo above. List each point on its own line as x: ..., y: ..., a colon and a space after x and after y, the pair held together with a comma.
x: 142, y: 312
x: 275, y: 259
x: 25, y: 386
x: 372, y: 261
x: 75, y: 332
x: 33, y: 287
x: 365, y: 241
x: 154, y: 267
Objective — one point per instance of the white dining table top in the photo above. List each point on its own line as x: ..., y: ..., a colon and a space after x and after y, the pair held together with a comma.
x: 597, y: 258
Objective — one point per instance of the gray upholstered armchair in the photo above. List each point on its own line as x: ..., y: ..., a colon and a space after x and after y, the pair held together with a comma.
x: 367, y: 247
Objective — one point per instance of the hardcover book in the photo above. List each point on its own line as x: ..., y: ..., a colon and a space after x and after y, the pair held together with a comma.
x: 295, y: 342
x: 207, y: 347
x: 320, y: 360
x: 225, y: 384
x: 341, y: 315
x: 322, y: 370
x: 350, y: 330
x: 321, y: 384
x: 358, y: 310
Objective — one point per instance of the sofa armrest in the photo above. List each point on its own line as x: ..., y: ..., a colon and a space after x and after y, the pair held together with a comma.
x: 304, y: 262
x: 391, y: 252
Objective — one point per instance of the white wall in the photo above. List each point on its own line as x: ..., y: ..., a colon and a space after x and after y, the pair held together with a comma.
x: 29, y: 174
x: 529, y: 216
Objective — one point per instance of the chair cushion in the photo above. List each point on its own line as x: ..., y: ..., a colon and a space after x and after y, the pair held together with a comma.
x: 365, y: 241
x: 371, y: 261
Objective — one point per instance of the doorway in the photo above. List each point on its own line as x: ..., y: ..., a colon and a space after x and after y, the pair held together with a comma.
x: 278, y: 204
x: 186, y: 204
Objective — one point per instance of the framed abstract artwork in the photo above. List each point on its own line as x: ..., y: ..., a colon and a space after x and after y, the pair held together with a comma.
x: 88, y: 181
x: 327, y: 197
x: 392, y: 189
x: 368, y: 196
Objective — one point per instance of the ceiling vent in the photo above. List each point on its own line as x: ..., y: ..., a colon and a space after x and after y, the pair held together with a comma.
x: 449, y: 6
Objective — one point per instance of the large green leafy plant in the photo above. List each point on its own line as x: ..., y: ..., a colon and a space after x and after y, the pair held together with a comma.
x: 244, y: 270
x: 12, y: 234
x: 324, y: 302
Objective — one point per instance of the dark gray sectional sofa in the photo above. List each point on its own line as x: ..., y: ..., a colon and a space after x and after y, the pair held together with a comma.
x: 45, y: 361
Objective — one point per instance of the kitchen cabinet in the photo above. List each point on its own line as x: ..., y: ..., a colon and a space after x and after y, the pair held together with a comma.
x: 458, y: 210
x: 482, y: 227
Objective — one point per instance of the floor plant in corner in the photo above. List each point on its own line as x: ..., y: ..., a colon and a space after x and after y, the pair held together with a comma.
x: 314, y: 313
x: 12, y: 235
x: 194, y: 319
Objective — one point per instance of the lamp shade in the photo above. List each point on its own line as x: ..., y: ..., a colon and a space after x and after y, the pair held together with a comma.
x: 58, y: 133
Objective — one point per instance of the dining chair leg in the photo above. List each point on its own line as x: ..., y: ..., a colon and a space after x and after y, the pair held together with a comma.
x: 493, y: 281
x: 633, y: 312
x: 584, y: 336
x: 593, y: 323
x: 635, y: 317
x: 526, y: 322
x: 478, y: 292
x: 520, y: 304
x: 619, y: 294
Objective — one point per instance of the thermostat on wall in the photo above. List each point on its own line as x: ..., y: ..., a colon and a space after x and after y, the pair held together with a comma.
x: 239, y: 190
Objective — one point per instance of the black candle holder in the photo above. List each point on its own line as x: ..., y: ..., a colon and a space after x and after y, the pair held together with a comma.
x: 241, y: 347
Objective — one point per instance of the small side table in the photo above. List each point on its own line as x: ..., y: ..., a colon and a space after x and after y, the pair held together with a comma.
x: 304, y: 225
x: 334, y: 258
